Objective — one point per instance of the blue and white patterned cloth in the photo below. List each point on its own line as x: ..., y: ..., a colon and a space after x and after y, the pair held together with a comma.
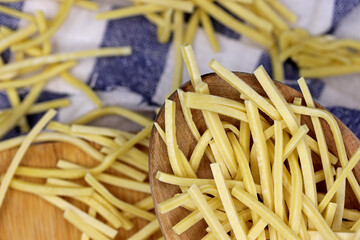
x: 141, y: 81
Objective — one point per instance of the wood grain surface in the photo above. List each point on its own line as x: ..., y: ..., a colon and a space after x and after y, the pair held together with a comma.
x: 25, y: 216
x: 159, y: 160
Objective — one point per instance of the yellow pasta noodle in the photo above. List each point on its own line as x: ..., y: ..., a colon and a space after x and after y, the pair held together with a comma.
x: 6, y: 181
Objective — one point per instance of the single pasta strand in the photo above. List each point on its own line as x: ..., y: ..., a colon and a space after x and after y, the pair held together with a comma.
x: 59, y: 137
x: 186, y: 6
x: 262, y: 153
x: 44, y: 106
x: 211, y: 99
x: 6, y: 181
x: 50, y: 172
x: 16, y: 13
x: 199, y: 150
x: 276, y: 64
x: 244, y: 139
x: 257, y: 229
x: 44, y: 75
x: 14, y: 100
x: 170, y: 138
x: 209, y: 30
x: 82, y: 87
x: 164, y: 32
x: 17, y: 36
x: 330, y: 213
x: 42, y: 189
x: 107, y: 132
x: 192, y: 27
x: 186, y: 182
x: 296, y: 193
x: 42, y: 24
x: 61, y: 57
x: 178, y: 40
x: 277, y: 172
x: 124, y: 183
x: 112, y: 110
x: 130, y: 11
x: 191, y: 64
x: 340, y: 201
x: 87, y: 4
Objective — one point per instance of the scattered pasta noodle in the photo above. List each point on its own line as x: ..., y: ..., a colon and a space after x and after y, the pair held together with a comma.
x: 272, y: 190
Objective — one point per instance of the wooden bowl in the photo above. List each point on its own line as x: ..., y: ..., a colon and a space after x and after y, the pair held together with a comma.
x: 159, y: 158
x: 27, y: 216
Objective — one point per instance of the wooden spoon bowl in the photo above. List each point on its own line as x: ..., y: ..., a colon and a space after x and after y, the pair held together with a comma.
x: 159, y: 160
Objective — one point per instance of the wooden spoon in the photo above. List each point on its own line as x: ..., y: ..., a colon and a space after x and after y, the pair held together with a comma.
x: 159, y: 159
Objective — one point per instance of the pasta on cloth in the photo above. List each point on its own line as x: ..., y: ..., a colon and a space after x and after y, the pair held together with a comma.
x: 142, y: 80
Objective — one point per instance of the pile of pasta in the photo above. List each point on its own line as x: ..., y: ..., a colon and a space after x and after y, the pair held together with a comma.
x: 266, y: 22
x: 320, y: 56
x: 33, y: 63
x: 258, y: 20
x: 264, y: 184
x: 121, y: 160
